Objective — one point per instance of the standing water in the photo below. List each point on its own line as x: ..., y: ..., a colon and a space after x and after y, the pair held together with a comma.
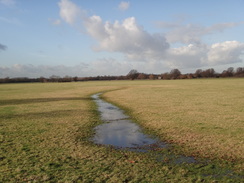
x: 118, y: 130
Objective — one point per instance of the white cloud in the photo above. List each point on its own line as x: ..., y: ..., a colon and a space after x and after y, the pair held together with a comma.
x: 127, y: 37
x: 225, y: 53
x: 69, y: 11
x: 191, y: 55
x: 191, y: 33
x: 148, y: 51
x: 124, y: 5
x: 198, y: 55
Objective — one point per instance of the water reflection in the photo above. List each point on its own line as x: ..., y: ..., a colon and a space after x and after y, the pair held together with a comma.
x: 118, y: 130
x: 108, y: 111
x: 121, y: 133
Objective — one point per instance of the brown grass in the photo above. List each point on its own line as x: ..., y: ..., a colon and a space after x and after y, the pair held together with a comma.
x: 204, y: 116
x: 45, y: 130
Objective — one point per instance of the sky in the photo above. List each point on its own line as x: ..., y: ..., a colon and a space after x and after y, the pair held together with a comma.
x: 111, y: 37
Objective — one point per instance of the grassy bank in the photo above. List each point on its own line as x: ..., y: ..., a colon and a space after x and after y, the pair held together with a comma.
x: 45, y: 130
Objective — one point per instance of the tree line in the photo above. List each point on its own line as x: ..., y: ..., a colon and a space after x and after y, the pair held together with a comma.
x: 199, y: 73
x: 134, y: 74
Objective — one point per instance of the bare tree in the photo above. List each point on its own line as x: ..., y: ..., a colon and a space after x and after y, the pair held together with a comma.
x: 198, y: 73
x: 133, y: 74
x: 208, y: 73
x: 239, y: 72
x: 175, y: 73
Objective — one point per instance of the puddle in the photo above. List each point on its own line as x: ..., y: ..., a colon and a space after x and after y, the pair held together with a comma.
x: 119, y: 131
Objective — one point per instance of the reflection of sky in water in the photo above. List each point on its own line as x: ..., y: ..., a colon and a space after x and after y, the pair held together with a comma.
x: 119, y: 131
x: 109, y: 112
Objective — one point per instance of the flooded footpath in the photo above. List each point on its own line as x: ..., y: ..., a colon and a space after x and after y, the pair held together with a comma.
x: 119, y: 131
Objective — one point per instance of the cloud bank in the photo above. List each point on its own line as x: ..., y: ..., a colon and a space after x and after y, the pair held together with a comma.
x: 105, y: 66
x: 31, y: 71
x: 200, y: 55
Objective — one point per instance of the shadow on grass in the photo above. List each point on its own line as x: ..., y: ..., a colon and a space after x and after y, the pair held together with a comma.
x: 39, y: 100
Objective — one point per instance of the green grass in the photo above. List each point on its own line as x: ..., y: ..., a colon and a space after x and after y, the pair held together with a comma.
x: 45, y: 130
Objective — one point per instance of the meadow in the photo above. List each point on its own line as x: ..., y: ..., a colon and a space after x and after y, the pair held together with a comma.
x: 46, y: 130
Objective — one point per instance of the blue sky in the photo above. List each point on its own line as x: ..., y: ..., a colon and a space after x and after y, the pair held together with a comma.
x: 111, y: 37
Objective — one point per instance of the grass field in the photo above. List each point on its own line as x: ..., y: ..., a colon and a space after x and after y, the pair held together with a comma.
x: 46, y: 127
